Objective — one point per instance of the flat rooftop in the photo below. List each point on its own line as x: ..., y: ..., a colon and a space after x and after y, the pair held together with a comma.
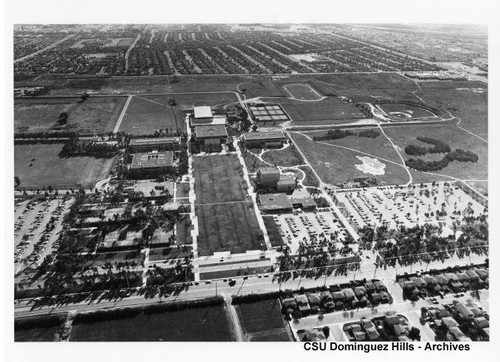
x: 153, y: 141
x: 203, y: 112
x: 273, y: 135
x: 152, y: 160
x: 271, y: 202
x: 210, y: 130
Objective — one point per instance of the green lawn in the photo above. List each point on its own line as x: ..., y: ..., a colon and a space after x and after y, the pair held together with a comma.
x: 287, y: 157
x: 39, y: 165
x: 228, y: 227
x: 336, y: 165
x: 97, y: 114
x: 218, y: 179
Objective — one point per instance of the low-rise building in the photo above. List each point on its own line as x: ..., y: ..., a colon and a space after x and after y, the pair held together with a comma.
x: 275, y: 203
x: 155, y: 144
x: 271, y: 139
x: 202, y: 115
x: 286, y: 183
x: 153, y: 162
x: 268, y: 176
x: 210, y: 138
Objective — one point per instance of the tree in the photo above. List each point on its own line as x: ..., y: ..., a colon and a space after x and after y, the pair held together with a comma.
x: 326, y: 331
x: 17, y: 181
x: 414, y: 334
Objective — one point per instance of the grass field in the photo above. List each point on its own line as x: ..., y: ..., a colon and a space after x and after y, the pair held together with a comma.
x: 218, y: 179
x: 302, y: 91
x: 416, y: 112
x: 97, y: 114
x: 327, y: 111
x: 455, y: 138
x: 466, y: 100
x: 146, y: 114
x: 336, y: 165
x: 47, y: 168
x: 41, y: 329
x: 228, y: 227
x: 184, y: 230
x: 252, y: 162
x: 263, y: 321
x: 286, y: 157
x: 193, y: 324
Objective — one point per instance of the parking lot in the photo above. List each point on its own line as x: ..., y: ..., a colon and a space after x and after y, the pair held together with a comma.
x: 310, y: 227
x: 36, y: 230
x: 397, y: 206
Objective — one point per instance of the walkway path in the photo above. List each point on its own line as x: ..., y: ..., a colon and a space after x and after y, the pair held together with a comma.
x: 122, y: 115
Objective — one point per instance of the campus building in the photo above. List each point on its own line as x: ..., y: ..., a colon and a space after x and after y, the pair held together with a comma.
x: 210, y: 138
x: 273, y: 139
x: 155, y: 144
x: 202, y: 115
x: 268, y: 176
x: 286, y: 183
x: 272, y: 203
x: 153, y: 162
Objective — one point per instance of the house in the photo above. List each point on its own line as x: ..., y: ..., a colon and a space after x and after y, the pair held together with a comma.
x: 268, y: 176
x: 449, y: 322
x: 271, y: 139
x: 289, y: 305
x: 275, y: 203
x: 154, y: 144
x: 430, y: 280
x: 481, y: 322
x: 311, y: 335
x: 210, y: 138
x: 202, y: 115
x: 359, y: 292
x: 327, y: 300
x: 303, y: 303
x: 314, y: 301
x: 441, y: 280
x: 348, y: 294
x: 338, y: 296
x: 457, y: 334
x: 472, y: 275
x: 379, y: 286
x: 463, y: 311
x: 153, y: 162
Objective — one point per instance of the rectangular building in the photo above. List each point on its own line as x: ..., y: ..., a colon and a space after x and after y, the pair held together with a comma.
x: 202, y: 115
x: 210, y: 137
x: 271, y: 139
x: 155, y: 144
x: 268, y: 176
x: 275, y: 203
x: 153, y: 161
x: 286, y: 183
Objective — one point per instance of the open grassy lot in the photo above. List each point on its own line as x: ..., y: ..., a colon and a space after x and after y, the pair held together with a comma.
x: 331, y: 110
x: 218, y: 179
x: 169, y: 253
x: 41, y: 329
x: 183, y: 231
x: 302, y: 91
x: 466, y: 100
x: 286, y: 157
x: 336, y: 165
x: 209, y: 323
x: 455, y: 138
x: 97, y: 114
x: 252, y: 162
x: 416, y: 112
x: 228, y: 227
x: 263, y: 321
x: 39, y: 165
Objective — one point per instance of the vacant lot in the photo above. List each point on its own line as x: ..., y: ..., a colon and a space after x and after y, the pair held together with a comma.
x: 146, y: 114
x: 228, y: 227
x: 331, y: 110
x: 183, y: 230
x: 263, y: 321
x: 466, y: 100
x: 302, y: 91
x: 455, y: 138
x: 338, y: 165
x: 41, y: 329
x: 97, y: 114
x: 39, y: 165
x: 193, y: 324
x: 218, y: 179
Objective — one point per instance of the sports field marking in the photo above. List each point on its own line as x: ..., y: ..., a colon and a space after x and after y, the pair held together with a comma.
x: 122, y: 115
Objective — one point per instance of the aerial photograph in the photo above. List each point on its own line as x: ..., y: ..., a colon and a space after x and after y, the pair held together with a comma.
x: 250, y: 182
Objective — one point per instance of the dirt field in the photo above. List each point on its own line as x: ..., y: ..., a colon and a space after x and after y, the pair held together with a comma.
x: 49, y: 169
x: 94, y: 114
x: 302, y: 91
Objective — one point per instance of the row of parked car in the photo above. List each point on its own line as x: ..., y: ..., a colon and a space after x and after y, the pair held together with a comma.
x: 358, y: 294
x: 438, y: 284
